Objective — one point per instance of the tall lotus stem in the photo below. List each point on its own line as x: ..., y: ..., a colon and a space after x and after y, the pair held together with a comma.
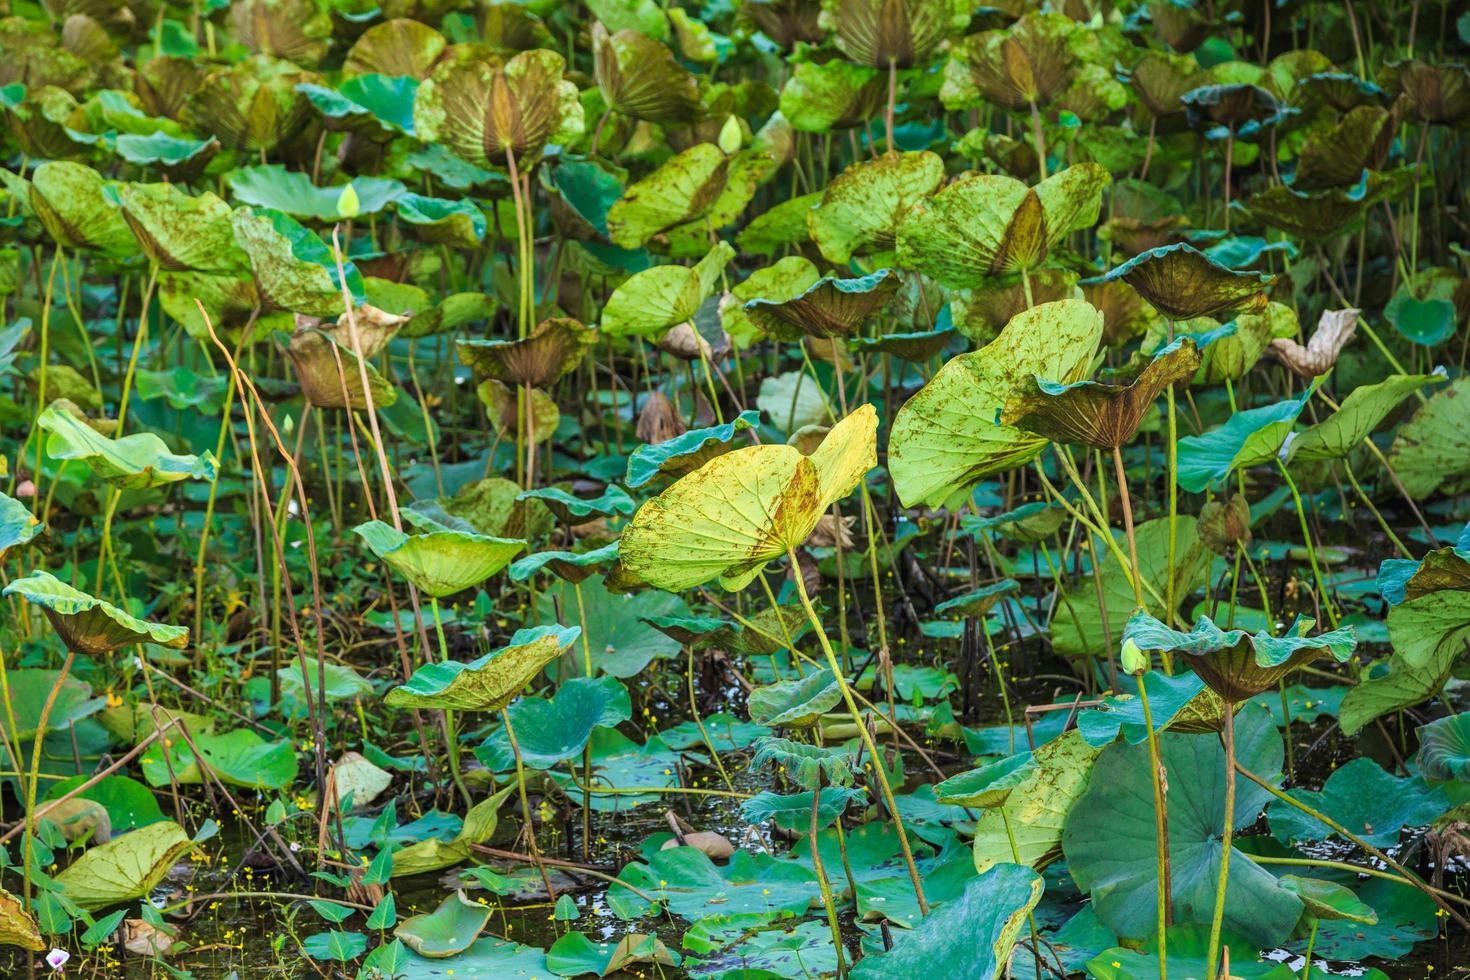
x: 1161, y: 831
x: 1005, y: 818
x: 824, y: 885
x: 1040, y: 139
x: 889, y: 109
x: 451, y: 731
x: 1301, y: 516
x: 1213, y: 956
x: 852, y: 709
x: 35, y: 775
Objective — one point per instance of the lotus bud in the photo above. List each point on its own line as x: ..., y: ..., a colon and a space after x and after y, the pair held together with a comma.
x: 1134, y: 660
x: 659, y: 420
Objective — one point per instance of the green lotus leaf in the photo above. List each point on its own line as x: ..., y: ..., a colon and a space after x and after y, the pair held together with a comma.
x: 1337, y: 156
x: 829, y: 308
x: 1337, y: 90
x: 126, y: 867
x: 901, y: 33
x: 738, y: 511
x: 1238, y: 665
x: 294, y: 269
x: 1184, y: 283
x: 945, y: 437
x: 374, y: 105
x: 783, y: 226
x: 396, y: 48
x: 28, y: 690
x: 862, y: 208
x: 1365, y: 407
x: 982, y: 313
x: 1321, y: 215
x: 479, y: 110
x: 1444, y: 748
x: 1437, y: 93
x: 459, y: 224
x: 980, y: 601
x: 640, y: 77
x: 820, y: 98
x: 572, y: 509
x: 1032, y: 61
x: 1182, y: 703
x: 569, y: 566
x: 237, y: 758
x: 644, y: 16
x: 1090, y: 413
x: 231, y: 302
x: 573, y: 954
x: 748, y: 169
x: 619, y: 762
x: 455, y: 310
x: 18, y: 526
x: 1329, y: 900
x: 551, y: 731
x: 489, y: 683
x: 620, y: 641
x: 251, y: 105
x: 443, y: 562
x: 1431, y: 452
x: 181, y: 232
x: 1245, y: 111
x: 132, y: 462
x: 179, y: 158
x: 682, y: 189
x: 1360, y: 795
x: 1036, y: 807
x: 70, y: 200
x: 662, y: 297
x: 792, y: 812
x: 1110, y: 847
x: 549, y: 353
x: 1082, y: 623
x: 915, y: 347
x: 330, y: 374
x: 1189, y: 945
x: 1427, y: 322
x: 292, y: 192
x: 988, y: 786
x: 687, y: 452
x: 17, y: 925
x: 985, y: 224
x: 589, y: 189
x: 339, y: 682
x: 448, y: 930
x: 785, y: 280
x: 133, y: 723
x: 435, y: 853
x: 796, y: 703
x: 808, y: 766
x: 1246, y: 439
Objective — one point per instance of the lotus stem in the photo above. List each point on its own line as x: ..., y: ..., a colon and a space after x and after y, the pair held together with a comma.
x: 699, y: 722
x: 1040, y: 138
x: 1301, y: 516
x: 879, y: 775
x: 825, y: 885
x: 37, y: 742
x: 1311, y: 944
x: 451, y: 730
x: 1161, y: 830
x: 1128, y: 525
x: 1005, y: 819
x: 1212, y: 958
x: 515, y: 747
x: 892, y: 103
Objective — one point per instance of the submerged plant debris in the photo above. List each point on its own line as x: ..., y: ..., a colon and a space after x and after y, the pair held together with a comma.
x: 735, y: 489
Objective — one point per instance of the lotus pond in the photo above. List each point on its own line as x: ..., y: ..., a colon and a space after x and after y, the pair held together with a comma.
x: 735, y: 489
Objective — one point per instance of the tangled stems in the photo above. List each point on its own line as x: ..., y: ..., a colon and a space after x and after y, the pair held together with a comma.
x: 852, y: 709
x: 1301, y: 516
x: 1212, y: 958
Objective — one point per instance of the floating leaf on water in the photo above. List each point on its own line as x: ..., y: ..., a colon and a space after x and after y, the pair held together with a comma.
x: 447, y: 931
x: 125, y: 868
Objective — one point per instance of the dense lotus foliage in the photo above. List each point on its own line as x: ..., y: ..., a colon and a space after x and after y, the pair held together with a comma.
x: 735, y: 489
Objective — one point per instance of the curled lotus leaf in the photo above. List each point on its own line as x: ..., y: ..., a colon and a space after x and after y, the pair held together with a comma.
x: 979, y: 601
x: 982, y: 313
x: 459, y: 224
x: 784, y: 280
x: 1030, y: 62
x: 1161, y: 79
x: 127, y: 867
x: 1241, y: 110
x: 1248, y: 438
x: 401, y: 47
x: 489, y: 683
x: 945, y: 437
x: 1183, y: 283
x: 1320, y: 215
x: 17, y: 925
x: 88, y: 625
x: 784, y: 21
x: 440, y: 562
x: 376, y: 106
x: 294, y: 269
x: 985, y: 225
x: 1437, y: 93
x: 549, y: 353
x: 833, y: 95
x: 915, y: 347
x: 1235, y: 664
x: 781, y: 227
x: 71, y: 202
x: 828, y: 308
x: 740, y: 510
x: 798, y: 703
x: 181, y: 232
x: 1329, y: 900
x: 1337, y: 156
x: 292, y: 192
x: 1444, y: 748
x: 252, y: 105
x: 296, y: 30
x: 569, y: 566
x: 134, y: 462
x: 988, y: 786
x: 1125, y: 314
x: 179, y: 159
x: 1335, y: 329
x: 687, y: 452
x: 683, y: 188
x: 330, y: 374
x: 18, y: 526
x: 448, y: 930
x: 1337, y: 90
x: 898, y: 33
x: 862, y: 208
x: 1362, y: 411
x: 484, y: 112
x: 1090, y: 413
x: 656, y: 299
x: 510, y: 27
x: 572, y: 509
x: 640, y: 77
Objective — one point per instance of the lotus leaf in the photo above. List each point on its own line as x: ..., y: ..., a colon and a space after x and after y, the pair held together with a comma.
x: 126, y: 867
x: 440, y: 563
x: 489, y: 683
x: 863, y: 208
x: 88, y: 625
x: 447, y: 931
x: 662, y: 297
x: 1184, y: 283
x: 553, y: 730
x: 796, y: 703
